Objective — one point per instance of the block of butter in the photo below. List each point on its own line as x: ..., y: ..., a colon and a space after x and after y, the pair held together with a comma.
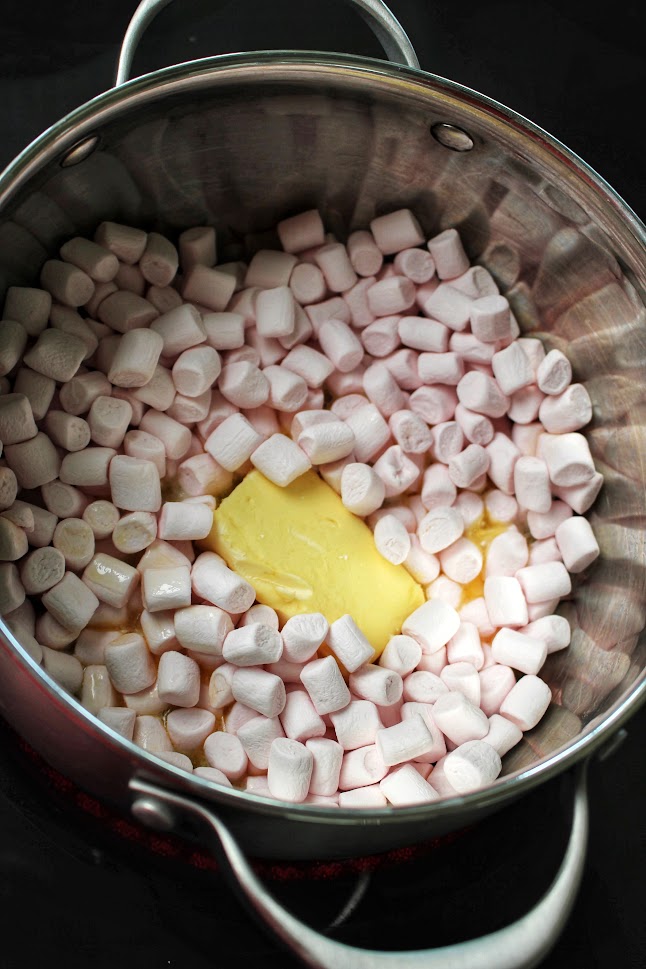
x: 303, y: 551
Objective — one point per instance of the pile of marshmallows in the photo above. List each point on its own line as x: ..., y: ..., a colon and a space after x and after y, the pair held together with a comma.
x: 404, y: 382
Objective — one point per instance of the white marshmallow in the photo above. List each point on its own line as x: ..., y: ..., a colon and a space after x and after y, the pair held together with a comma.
x: 480, y: 393
x: 129, y: 663
x: 459, y: 719
x: 289, y: 770
x: 280, y: 460
x: 178, y: 679
x: 302, y: 635
x: 505, y: 601
x: 422, y: 686
x: 405, y: 787
x: 526, y: 702
x: 309, y: 364
x: 520, y: 651
x: 404, y: 741
x: 259, y: 690
x: 202, y: 629
x: 361, y: 768
x: 401, y: 654
x: 275, y: 312
x: 472, y: 765
x: 232, y: 442
x: 243, y: 384
x: 371, y: 432
x: 467, y: 467
x: 462, y: 677
x: 257, y: 736
x: 225, y: 752
x: 576, y: 543
x: 299, y: 719
x: 214, y: 581
x: 326, y: 442
x: 134, y: 484
x: 554, y: 373
x: 532, y: 484
x: 440, y: 528
x: 349, y: 644
x: 541, y: 583
x: 184, y: 521
x: 462, y: 561
x: 554, y: 631
x: 252, y: 645
x: 70, y: 602
x: 568, y: 458
x: 432, y: 624
x: 382, y: 686
x: 392, y: 541
x: 327, y: 689
x: 503, y: 734
x: 327, y: 756
x: 397, y: 470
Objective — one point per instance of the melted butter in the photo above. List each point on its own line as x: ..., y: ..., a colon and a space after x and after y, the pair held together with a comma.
x: 303, y: 551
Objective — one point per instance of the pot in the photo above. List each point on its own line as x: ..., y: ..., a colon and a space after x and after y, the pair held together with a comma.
x: 171, y: 150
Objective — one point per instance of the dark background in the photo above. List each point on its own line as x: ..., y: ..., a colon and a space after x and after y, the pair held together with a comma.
x: 73, y: 895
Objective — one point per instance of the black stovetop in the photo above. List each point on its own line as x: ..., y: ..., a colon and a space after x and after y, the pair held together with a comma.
x: 75, y: 894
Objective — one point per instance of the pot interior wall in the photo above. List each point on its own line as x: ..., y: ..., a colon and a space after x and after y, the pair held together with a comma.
x: 253, y: 143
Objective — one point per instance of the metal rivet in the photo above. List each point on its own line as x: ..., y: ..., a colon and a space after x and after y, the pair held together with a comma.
x: 154, y: 814
x: 80, y: 151
x: 452, y: 137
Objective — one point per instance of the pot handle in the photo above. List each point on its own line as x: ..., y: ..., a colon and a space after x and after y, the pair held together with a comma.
x: 383, y: 23
x: 521, y: 945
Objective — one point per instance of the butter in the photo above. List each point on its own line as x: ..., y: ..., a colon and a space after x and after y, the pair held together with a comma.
x: 303, y: 551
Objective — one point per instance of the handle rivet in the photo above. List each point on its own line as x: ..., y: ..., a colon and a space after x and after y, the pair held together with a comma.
x: 80, y: 151
x: 449, y: 135
x: 153, y: 813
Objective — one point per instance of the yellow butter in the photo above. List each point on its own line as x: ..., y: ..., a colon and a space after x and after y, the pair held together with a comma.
x: 303, y: 551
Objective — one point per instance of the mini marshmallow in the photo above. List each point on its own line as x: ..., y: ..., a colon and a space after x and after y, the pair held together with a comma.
x: 448, y: 441
x: 398, y: 471
x: 554, y: 373
x: 175, y: 759
x: 503, y: 455
x: 544, y: 525
x: 507, y: 553
x: 289, y: 770
x: 63, y: 500
x: 275, y: 312
x: 576, y: 543
x: 280, y: 460
x: 503, y: 734
x: 134, y: 484
x: 233, y: 442
x: 14, y: 341
x: 382, y: 686
x: 12, y: 591
x: 554, y: 631
x: 526, y: 702
x: 135, y: 359
x: 159, y: 260
x: 462, y: 561
x: 438, y: 491
x: 472, y: 765
x: 243, y: 384
x: 459, y: 719
x: 180, y: 521
x: 307, y: 283
x: 159, y: 630
x: 129, y: 663
x: 123, y: 311
x: 259, y: 690
x: 441, y: 368
x: 119, y: 719
x: 465, y: 646
x: 200, y: 474
x: 491, y: 319
x: 224, y: 331
x: 500, y: 507
x: 302, y: 635
x: 532, y: 484
x: 566, y: 412
x: 401, y: 655
x: 568, y: 458
x: 448, y: 254
x: 148, y: 447
x: 159, y: 393
x: 512, y: 369
x: 383, y: 390
x: 67, y: 283
x: 525, y: 405
x: 361, y: 768
x: 371, y: 432
x: 70, y: 602
x: 422, y: 334
x: 505, y: 601
x: 405, y: 787
x: 299, y: 719
x: 41, y: 570
x: 252, y: 645
x: 178, y: 679
x: 541, y: 583
x: 440, y: 528
x: 220, y: 694
x: 469, y: 465
x: 197, y: 246
x: 327, y: 442
x: 65, y: 669
x: 202, y: 629
x: 445, y: 304
x: 312, y: 366
x: 394, y: 294
x: 214, y: 581
x: 111, y: 580
x: 34, y: 462
x: 13, y: 541
x: 422, y: 686
x: 257, y: 736
x: 225, y: 752
x: 327, y: 689
x: 519, y: 650
x: 340, y: 345
x: 392, y: 541
x: 480, y: 393
x: 411, y: 433
x: 16, y: 419
x: 75, y: 540
x: 543, y: 550
x: 362, y: 490
x: 404, y: 741
x: 66, y: 431
x: 349, y: 644
x: 213, y: 775
x: 396, y: 231
x: 424, y: 567
x: 432, y: 625
x: 38, y: 389
x: 208, y: 288
x: 327, y: 758
x: 108, y: 420
x: 166, y: 588
x: 365, y: 256
x: 417, y: 264
x: 381, y: 337
x: 196, y: 370
x: 29, y: 308
x: 287, y: 391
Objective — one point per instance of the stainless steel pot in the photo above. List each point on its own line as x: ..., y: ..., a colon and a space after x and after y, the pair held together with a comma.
x: 242, y: 140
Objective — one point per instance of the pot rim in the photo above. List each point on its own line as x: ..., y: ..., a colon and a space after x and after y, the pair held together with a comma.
x: 84, y: 122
